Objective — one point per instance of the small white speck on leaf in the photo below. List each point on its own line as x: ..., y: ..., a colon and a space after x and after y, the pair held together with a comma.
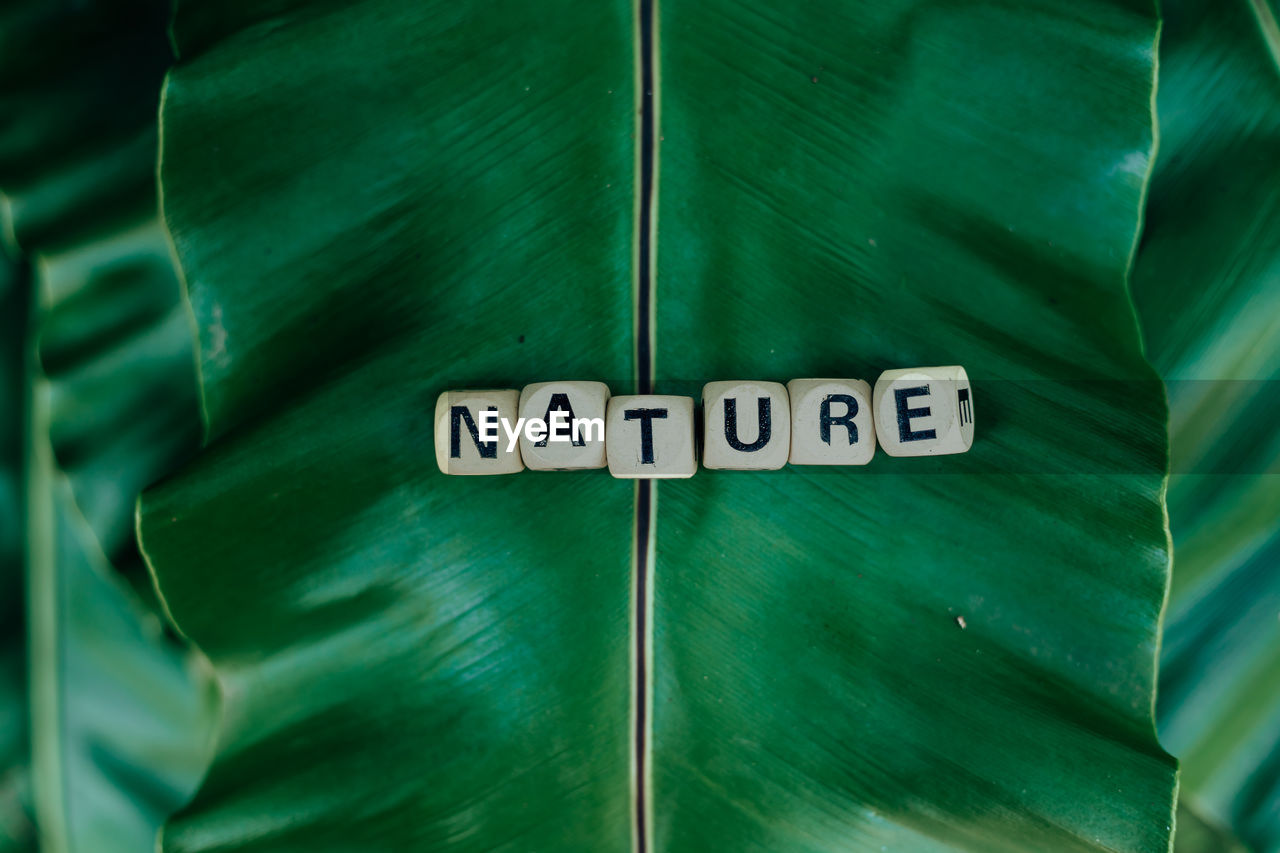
x: 1134, y: 163
x: 960, y: 621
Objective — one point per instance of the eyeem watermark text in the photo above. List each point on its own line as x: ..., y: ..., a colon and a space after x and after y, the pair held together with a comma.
x: 560, y: 428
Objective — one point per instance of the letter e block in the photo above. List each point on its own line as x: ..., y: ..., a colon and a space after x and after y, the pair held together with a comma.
x: 650, y: 437
x: 831, y: 422
x: 461, y: 445
x: 924, y: 411
x: 747, y: 425
x: 559, y: 404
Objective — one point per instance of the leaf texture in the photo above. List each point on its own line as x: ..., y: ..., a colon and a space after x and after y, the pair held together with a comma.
x: 373, y: 203
x: 404, y: 666
x: 851, y: 187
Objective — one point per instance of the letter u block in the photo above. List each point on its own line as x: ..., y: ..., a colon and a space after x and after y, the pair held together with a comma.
x: 650, y: 437
x: 831, y: 422
x: 924, y: 411
x: 462, y: 446
x: 746, y: 426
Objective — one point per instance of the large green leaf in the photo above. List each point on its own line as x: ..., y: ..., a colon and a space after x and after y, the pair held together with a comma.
x: 16, y: 831
x: 1207, y: 283
x: 404, y: 666
x: 374, y: 203
x: 119, y: 711
x: 940, y: 184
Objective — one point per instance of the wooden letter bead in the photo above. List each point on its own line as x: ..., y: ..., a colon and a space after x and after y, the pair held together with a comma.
x: 580, y: 401
x: 924, y: 411
x: 460, y: 448
x: 747, y: 425
x: 831, y: 422
x: 650, y: 436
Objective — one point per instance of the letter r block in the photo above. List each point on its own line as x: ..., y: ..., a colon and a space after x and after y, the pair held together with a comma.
x: 746, y: 425
x: 650, y: 437
x: 924, y: 411
x: 576, y: 401
x: 460, y: 444
x: 831, y: 422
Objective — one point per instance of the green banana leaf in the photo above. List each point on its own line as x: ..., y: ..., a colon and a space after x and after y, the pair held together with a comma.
x: 962, y: 184
x: 16, y: 830
x: 120, y: 712
x: 375, y: 202
x: 1207, y: 283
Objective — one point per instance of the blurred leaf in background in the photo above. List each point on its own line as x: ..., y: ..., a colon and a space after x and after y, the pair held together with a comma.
x: 119, y: 709
x: 17, y: 832
x: 1207, y: 284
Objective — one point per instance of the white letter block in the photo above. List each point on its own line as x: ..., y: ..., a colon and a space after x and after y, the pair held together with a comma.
x: 924, y: 411
x: 577, y: 400
x: 831, y: 422
x: 650, y: 437
x: 746, y: 426
x: 459, y: 433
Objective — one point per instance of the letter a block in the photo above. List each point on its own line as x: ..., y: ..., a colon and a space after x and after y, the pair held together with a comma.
x: 831, y: 422
x: 461, y: 445
x: 559, y: 404
x: 747, y: 425
x: 650, y: 436
x: 924, y: 411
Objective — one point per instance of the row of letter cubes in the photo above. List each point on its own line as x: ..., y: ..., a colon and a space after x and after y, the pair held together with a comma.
x: 559, y: 426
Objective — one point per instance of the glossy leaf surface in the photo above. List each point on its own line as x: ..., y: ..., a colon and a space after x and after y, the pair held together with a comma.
x: 1207, y: 283
x: 443, y: 199
x: 119, y: 713
x: 375, y: 203
x: 926, y: 653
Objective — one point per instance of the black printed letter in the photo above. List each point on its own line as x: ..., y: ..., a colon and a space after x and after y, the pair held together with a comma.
x: 905, y: 413
x: 731, y: 425
x: 457, y: 414
x: 560, y: 402
x: 846, y: 420
x: 645, y: 417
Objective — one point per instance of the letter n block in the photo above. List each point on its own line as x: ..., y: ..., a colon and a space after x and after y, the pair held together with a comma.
x: 831, y: 422
x: 746, y: 426
x: 650, y: 437
x: 461, y: 447
x: 924, y: 411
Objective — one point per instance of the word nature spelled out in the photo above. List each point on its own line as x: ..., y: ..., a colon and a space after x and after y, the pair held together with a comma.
x: 566, y: 426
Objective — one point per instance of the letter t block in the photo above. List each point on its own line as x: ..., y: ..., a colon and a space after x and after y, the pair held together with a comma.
x: 650, y: 437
